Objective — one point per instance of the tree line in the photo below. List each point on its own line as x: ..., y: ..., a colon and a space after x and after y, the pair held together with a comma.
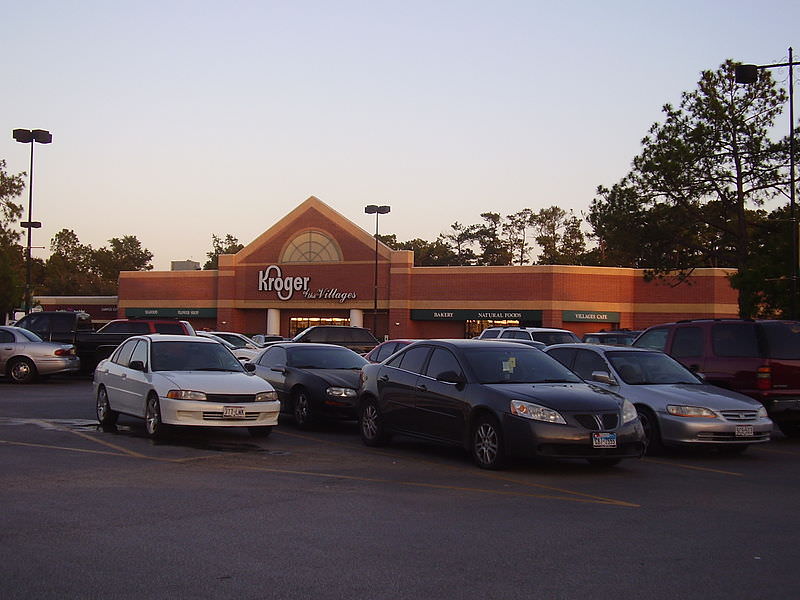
x: 709, y: 188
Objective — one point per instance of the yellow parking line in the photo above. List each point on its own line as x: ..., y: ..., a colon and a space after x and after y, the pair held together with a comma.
x: 588, y: 497
x: 692, y: 467
x: 110, y: 445
x: 50, y: 447
x: 585, y: 500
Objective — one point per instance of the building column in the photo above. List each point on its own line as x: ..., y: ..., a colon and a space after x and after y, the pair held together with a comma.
x: 356, y: 317
x: 273, y: 321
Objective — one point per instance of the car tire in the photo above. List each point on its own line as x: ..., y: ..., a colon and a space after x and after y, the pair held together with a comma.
x: 789, y: 429
x: 652, y: 432
x: 370, y: 425
x: 301, y: 409
x: 152, y: 417
x: 105, y: 416
x: 22, y: 370
x: 261, y: 432
x: 487, y: 443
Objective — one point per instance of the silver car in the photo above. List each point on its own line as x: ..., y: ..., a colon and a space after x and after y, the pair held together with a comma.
x: 182, y: 380
x: 24, y: 356
x: 675, y: 406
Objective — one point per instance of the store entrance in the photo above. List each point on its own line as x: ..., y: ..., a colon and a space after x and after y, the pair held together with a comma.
x: 297, y: 324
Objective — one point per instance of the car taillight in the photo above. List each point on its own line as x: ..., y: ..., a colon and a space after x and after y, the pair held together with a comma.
x: 764, y: 378
x: 65, y: 351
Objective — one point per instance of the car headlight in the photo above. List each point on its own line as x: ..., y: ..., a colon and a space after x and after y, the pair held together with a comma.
x: 186, y: 395
x: 341, y: 392
x: 690, y: 411
x: 762, y: 413
x: 267, y: 396
x: 628, y: 411
x: 535, y: 412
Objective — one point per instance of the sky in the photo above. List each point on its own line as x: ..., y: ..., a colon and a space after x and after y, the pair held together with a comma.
x: 173, y: 121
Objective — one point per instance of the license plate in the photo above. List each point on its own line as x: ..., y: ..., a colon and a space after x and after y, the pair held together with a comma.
x: 233, y: 412
x: 604, y: 440
x: 744, y: 431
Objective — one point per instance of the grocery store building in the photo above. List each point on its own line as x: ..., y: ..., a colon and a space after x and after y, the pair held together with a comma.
x: 315, y: 267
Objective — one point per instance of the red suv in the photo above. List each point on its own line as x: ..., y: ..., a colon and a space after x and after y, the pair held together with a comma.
x: 145, y: 326
x: 758, y: 358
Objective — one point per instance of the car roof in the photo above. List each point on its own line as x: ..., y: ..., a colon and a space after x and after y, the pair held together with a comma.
x: 168, y: 337
x: 609, y: 347
x: 306, y: 345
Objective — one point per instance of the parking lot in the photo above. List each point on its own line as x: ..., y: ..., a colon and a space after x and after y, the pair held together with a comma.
x: 219, y: 514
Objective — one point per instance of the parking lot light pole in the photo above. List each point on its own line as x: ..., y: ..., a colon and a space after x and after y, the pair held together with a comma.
x: 30, y: 136
x: 376, y: 210
x: 749, y: 74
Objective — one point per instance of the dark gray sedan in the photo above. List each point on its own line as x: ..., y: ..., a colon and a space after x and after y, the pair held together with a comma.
x: 676, y: 406
x: 495, y: 399
x: 24, y: 356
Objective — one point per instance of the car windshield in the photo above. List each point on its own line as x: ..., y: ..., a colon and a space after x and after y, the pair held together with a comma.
x: 517, y: 364
x: 648, y: 368
x: 192, y: 356
x: 30, y: 335
x: 331, y: 357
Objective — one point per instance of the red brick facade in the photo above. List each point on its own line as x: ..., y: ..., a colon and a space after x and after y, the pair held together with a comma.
x: 326, y: 267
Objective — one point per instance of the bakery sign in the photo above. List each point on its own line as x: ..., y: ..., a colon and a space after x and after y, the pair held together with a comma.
x: 272, y: 279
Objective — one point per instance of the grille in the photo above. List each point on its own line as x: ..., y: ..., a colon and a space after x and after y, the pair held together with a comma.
x: 608, y: 420
x: 212, y: 415
x: 231, y: 398
x: 740, y: 415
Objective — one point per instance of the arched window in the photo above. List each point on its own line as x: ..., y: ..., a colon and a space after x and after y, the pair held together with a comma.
x: 312, y: 246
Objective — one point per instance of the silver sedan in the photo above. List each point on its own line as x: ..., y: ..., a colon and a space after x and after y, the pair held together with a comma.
x: 675, y: 406
x: 24, y: 356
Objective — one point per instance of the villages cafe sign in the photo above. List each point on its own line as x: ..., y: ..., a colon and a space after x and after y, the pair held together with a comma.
x: 271, y: 279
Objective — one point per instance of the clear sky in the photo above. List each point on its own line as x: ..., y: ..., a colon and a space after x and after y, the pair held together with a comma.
x: 175, y: 120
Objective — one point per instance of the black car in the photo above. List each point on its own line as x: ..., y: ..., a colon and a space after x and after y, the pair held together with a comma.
x: 312, y: 380
x: 495, y: 399
x: 357, y: 339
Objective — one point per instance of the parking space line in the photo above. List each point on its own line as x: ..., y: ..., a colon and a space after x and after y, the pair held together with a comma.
x: 476, y: 472
x: 586, y: 500
x: 692, y: 467
x: 51, y: 447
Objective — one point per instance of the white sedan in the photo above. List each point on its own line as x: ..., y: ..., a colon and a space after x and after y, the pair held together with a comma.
x: 182, y: 380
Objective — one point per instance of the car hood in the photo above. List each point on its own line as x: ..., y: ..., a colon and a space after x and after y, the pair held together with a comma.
x: 710, y: 396
x: 560, y: 396
x: 337, y: 377
x: 216, y: 382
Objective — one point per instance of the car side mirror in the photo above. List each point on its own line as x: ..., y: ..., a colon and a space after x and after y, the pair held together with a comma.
x: 451, y: 377
x: 136, y: 365
x: 278, y: 369
x: 603, y: 377
x: 700, y: 376
x: 249, y: 367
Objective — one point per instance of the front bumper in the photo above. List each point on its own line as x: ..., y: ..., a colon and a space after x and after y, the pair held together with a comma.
x: 210, y: 414
x: 686, y: 431
x: 525, y: 438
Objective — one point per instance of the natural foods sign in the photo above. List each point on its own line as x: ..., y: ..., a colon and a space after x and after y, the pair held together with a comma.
x: 272, y: 279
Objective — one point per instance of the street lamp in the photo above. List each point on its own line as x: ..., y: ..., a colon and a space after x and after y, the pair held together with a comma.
x: 30, y: 136
x: 749, y: 74
x: 376, y: 210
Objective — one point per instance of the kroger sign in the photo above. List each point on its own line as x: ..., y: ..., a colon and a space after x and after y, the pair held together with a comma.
x: 271, y: 279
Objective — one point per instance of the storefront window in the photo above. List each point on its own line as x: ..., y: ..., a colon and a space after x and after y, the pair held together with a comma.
x: 297, y: 324
x: 474, y: 328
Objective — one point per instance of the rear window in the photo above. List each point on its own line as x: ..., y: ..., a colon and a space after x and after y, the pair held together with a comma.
x: 134, y: 327
x: 171, y: 328
x: 782, y: 339
x: 735, y: 340
x: 490, y: 333
x: 554, y: 337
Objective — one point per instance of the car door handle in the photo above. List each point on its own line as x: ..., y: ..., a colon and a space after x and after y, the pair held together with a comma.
x: 383, y: 378
x: 422, y: 388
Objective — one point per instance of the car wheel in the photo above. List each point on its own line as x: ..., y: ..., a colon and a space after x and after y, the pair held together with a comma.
x: 22, y: 370
x: 603, y: 462
x: 652, y: 432
x: 301, y: 409
x: 152, y: 417
x: 370, y: 425
x: 261, y: 432
x: 487, y: 443
x: 789, y: 429
x: 105, y: 416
